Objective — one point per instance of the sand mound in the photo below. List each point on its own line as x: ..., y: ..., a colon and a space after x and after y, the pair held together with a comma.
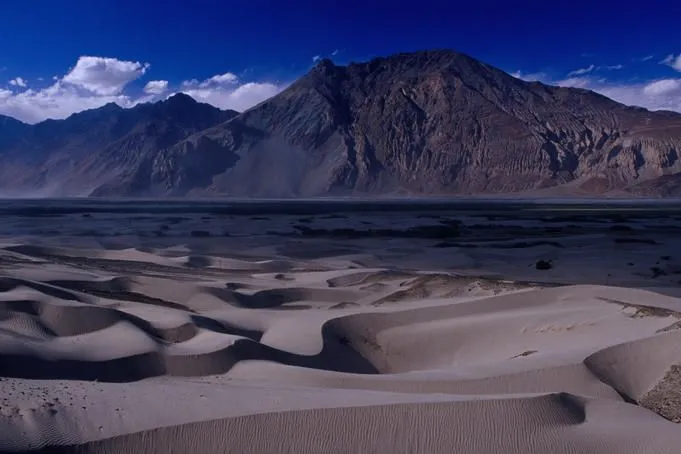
x: 233, y: 345
x: 642, y: 377
x: 538, y: 424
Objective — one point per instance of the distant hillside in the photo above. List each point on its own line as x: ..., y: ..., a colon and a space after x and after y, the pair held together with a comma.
x: 432, y: 122
x: 95, y: 148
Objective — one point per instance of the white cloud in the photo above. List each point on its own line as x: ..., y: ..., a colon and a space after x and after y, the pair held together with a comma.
x: 18, y: 82
x: 190, y: 83
x: 648, y: 57
x: 673, y: 61
x: 614, y: 67
x: 56, y: 101
x: 104, y: 76
x: 96, y: 81
x: 657, y: 95
x: 316, y: 58
x: 156, y: 87
x: 226, y: 78
x: 662, y: 87
x: 581, y: 71
x: 227, y: 92
x: 91, y: 83
x: 662, y: 94
x: 530, y: 77
x: 240, y: 98
x: 219, y: 79
x: 642, y: 95
x: 574, y: 82
x: 334, y: 53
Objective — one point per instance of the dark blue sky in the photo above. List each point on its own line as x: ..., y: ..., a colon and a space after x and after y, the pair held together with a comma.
x: 275, y: 41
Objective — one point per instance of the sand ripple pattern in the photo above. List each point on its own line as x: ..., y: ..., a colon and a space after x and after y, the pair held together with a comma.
x: 140, y: 351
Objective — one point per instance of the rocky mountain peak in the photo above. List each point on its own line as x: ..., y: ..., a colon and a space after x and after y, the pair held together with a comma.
x: 180, y: 100
x: 430, y: 122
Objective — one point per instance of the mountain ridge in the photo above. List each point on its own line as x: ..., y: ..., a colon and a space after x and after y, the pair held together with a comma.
x: 74, y: 156
x: 432, y: 122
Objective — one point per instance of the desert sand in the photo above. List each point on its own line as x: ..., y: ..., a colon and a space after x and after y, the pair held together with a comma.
x: 200, y: 332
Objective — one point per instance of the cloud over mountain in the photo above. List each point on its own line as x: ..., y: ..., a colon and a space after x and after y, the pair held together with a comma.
x: 156, y: 87
x: 104, y: 76
x: 95, y: 81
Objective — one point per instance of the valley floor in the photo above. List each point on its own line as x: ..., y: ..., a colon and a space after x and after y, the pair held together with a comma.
x: 195, y: 328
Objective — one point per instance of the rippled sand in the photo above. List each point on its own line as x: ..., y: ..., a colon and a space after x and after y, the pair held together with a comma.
x: 357, y: 332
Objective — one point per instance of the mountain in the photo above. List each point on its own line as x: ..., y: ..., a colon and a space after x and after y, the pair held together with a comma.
x: 432, y: 122
x: 90, y: 149
x: 11, y: 130
x: 435, y: 122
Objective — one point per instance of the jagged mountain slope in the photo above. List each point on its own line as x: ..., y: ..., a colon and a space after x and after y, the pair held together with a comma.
x: 432, y: 122
x: 435, y: 122
x: 77, y: 155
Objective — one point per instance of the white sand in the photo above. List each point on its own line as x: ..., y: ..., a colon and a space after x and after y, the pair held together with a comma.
x: 315, y: 346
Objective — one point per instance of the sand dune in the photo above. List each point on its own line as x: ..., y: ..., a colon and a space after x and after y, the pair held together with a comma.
x: 532, y: 425
x: 200, y: 345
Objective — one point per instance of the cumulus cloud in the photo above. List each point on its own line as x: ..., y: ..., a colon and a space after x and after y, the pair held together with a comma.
x: 673, y: 61
x: 56, y: 101
x: 219, y: 79
x: 91, y: 83
x: 662, y: 87
x: 226, y: 91
x: 190, y: 83
x: 96, y: 81
x: 581, y: 71
x: 226, y: 78
x: 104, y: 76
x: 238, y: 98
x: 156, y: 87
x: 18, y: 82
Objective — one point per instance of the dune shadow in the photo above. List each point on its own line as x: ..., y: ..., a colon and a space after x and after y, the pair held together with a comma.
x: 116, y: 289
x: 9, y: 283
x: 264, y: 299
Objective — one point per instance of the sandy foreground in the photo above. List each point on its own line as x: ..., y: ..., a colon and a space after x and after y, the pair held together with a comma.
x: 340, y: 333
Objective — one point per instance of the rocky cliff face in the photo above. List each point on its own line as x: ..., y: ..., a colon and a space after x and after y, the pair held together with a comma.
x: 428, y: 123
x: 435, y: 122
